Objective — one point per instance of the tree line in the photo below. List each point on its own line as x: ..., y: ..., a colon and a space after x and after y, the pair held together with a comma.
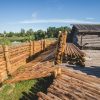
x: 51, y: 32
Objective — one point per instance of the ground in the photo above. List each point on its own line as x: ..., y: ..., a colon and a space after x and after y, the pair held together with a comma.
x: 14, y: 91
x: 92, y: 63
x: 93, y: 58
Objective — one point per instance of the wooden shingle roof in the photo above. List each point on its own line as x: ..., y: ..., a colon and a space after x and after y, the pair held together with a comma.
x: 92, y: 28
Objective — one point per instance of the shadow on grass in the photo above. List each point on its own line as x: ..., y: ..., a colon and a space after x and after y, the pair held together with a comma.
x: 41, y: 85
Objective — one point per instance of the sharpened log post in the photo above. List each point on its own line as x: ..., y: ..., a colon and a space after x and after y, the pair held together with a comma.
x: 8, y: 65
x: 81, y: 41
x: 61, y: 46
x: 44, y: 44
x: 31, y: 48
x: 57, y: 72
x: 64, y: 43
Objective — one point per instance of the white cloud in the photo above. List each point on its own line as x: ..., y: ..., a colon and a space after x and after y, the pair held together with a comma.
x: 34, y: 15
x: 90, y: 18
x: 67, y: 21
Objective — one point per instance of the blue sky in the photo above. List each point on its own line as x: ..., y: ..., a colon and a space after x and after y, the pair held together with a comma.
x: 40, y: 14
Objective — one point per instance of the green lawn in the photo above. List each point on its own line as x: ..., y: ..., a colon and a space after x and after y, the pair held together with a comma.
x: 12, y: 39
x: 25, y: 90
x: 14, y: 91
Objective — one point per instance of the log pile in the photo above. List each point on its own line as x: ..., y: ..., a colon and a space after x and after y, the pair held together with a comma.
x: 61, y: 46
x: 72, y: 85
x: 74, y: 55
x: 90, y: 41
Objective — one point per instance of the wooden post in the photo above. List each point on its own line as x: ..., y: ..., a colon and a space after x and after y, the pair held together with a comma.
x: 64, y: 41
x: 81, y: 40
x: 44, y: 44
x: 31, y: 48
x: 8, y: 65
x: 61, y: 46
x: 57, y: 72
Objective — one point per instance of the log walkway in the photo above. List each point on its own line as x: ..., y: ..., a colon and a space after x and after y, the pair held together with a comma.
x: 72, y: 85
x: 41, y: 66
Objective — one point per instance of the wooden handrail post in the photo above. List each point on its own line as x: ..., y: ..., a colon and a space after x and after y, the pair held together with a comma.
x: 61, y: 46
x: 57, y: 72
x: 8, y: 65
x: 31, y: 48
x: 44, y: 44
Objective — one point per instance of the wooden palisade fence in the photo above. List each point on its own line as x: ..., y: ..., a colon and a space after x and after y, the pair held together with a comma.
x: 14, y: 56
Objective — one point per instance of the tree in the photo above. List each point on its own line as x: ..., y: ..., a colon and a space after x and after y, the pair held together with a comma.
x: 51, y: 31
x: 22, y: 33
x: 10, y: 34
x: 5, y: 33
x: 29, y: 32
x: 40, y: 34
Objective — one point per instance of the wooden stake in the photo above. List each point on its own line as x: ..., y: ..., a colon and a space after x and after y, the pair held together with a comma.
x: 31, y: 48
x: 8, y: 65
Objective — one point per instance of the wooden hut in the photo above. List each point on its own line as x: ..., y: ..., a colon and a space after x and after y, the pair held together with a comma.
x: 86, y: 35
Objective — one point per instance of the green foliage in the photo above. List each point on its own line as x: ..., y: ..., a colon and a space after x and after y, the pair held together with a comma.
x: 22, y: 33
x: 25, y: 90
x: 22, y: 36
x: 39, y: 35
x: 53, y: 31
x: 14, y: 91
x: 5, y: 41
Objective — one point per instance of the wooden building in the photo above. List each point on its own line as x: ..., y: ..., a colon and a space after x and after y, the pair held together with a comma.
x: 86, y: 35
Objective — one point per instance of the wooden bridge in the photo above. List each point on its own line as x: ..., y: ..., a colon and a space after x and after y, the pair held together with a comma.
x: 68, y: 83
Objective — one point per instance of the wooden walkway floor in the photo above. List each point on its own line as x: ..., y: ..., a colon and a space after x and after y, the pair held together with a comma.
x: 40, y: 67
x: 72, y: 85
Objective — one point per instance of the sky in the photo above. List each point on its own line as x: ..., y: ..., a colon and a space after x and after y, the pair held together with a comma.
x: 40, y: 14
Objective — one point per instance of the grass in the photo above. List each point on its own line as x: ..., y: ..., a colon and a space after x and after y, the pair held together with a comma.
x: 9, y: 40
x: 14, y: 91
x: 12, y: 39
x: 25, y: 90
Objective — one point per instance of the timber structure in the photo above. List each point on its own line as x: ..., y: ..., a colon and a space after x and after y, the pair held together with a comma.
x: 68, y: 83
x: 86, y: 35
x: 72, y: 85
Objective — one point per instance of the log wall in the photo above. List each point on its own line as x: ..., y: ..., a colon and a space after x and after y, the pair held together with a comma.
x: 14, y: 56
x: 91, y: 41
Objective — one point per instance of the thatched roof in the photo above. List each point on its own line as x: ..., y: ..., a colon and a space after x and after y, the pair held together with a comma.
x: 87, y: 28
